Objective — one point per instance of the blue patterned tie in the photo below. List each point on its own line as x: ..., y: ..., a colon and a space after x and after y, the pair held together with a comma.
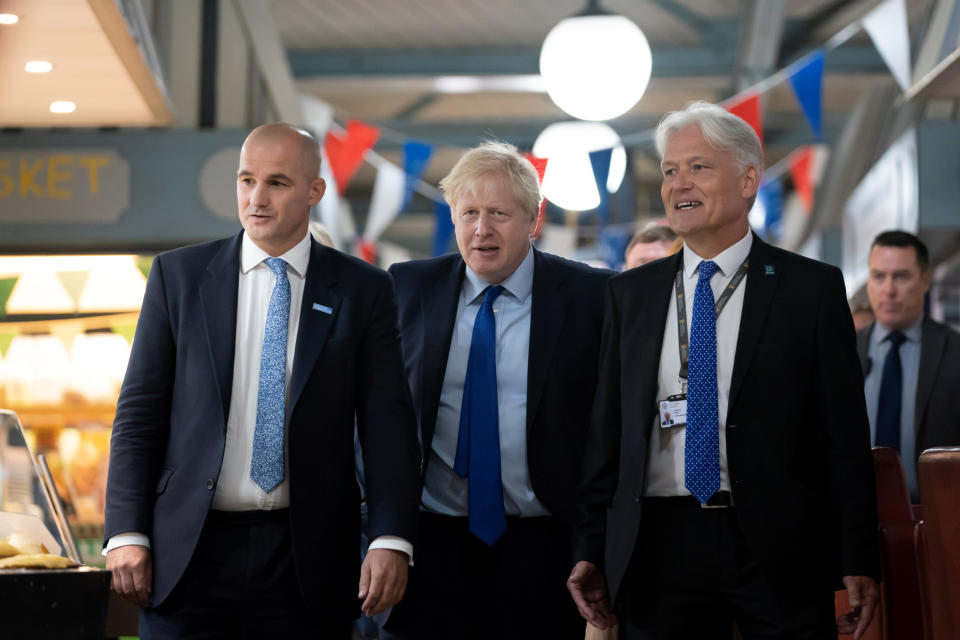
x: 702, y: 452
x: 266, y: 469
x: 891, y: 392
x: 478, y: 444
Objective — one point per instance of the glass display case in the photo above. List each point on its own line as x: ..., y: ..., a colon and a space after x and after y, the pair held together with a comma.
x: 45, y: 590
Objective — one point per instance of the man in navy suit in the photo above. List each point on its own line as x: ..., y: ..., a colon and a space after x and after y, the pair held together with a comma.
x: 759, y: 501
x: 232, y: 504
x: 500, y: 343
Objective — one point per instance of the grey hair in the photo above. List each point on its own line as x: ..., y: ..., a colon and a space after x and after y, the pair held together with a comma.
x: 720, y: 128
x: 494, y: 158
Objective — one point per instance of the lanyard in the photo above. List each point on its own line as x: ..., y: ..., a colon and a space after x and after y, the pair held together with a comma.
x: 682, y: 310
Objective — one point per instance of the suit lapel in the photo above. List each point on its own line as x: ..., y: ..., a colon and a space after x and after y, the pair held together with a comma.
x: 932, y: 345
x: 218, y: 299
x: 439, y: 308
x: 315, y: 324
x: 760, y: 286
x: 548, y: 310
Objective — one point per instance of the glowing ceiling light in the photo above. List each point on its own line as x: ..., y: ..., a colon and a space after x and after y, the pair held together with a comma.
x: 595, y: 65
x: 62, y: 106
x: 8, y: 18
x: 38, y: 66
x: 569, y: 181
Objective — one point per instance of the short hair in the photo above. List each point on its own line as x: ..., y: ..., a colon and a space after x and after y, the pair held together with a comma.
x: 309, y: 146
x: 903, y: 239
x: 494, y: 158
x: 720, y: 128
x: 651, y: 233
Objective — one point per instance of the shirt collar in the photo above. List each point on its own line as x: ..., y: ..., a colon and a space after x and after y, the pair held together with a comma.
x: 519, y: 284
x: 297, y: 257
x: 729, y: 260
x: 913, y: 333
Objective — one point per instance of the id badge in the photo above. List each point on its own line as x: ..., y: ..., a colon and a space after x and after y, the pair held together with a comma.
x: 673, y: 411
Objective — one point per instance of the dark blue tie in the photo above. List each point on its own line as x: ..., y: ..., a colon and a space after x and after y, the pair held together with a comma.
x: 478, y: 444
x: 891, y: 394
x: 702, y: 451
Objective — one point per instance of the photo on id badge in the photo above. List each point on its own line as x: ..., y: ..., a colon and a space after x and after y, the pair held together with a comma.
x: 673, y: 411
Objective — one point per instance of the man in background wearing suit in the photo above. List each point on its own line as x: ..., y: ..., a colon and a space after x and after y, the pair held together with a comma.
x: 232, y: 504
x: 500, y: 343
x: 753, y: 506
x: 911, y: 363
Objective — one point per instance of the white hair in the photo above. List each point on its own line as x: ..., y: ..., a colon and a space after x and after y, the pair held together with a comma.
x: 721, y: 129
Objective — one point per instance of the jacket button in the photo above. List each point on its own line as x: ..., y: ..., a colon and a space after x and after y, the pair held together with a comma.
x: 211, y: 484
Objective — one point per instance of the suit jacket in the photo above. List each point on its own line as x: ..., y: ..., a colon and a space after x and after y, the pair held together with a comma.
x: 936, y: 421
x: 168, y: 436
x: 798, y: 448
x: 565, y: 324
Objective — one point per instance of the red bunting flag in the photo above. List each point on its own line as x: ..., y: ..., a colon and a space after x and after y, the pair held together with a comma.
x: 540, y: 164
x: 367, y: 251
x: 801, y: 169
x: 345, y: 150
x: 749, y: 109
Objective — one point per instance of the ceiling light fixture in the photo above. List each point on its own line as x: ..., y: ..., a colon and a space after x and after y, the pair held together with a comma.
x: 62, y: 106
x: 8, y: 18
x: 596, y: 65
x: 569, y: 182
x: 38, y: 66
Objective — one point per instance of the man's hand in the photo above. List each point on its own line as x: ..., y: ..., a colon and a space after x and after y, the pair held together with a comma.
x: 589, y: 590
x: 864, y: 595
x: 383, y: 580
x: 132, y: 571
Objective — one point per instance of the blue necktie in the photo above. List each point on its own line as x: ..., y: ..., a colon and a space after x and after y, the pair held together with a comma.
x: 891, y: 390
x: 266, y: 468
x: 702, y: 452
x: 478, y: 443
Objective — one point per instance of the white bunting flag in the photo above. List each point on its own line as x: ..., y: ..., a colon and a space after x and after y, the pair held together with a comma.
x: 387, y: 199
x: 887, y: 26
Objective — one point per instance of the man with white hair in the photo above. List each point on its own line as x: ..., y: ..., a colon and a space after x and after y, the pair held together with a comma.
x: 755, y: 499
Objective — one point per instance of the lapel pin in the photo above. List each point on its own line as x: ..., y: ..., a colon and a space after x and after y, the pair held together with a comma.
x: 769, y: 270
x: 322, y: 308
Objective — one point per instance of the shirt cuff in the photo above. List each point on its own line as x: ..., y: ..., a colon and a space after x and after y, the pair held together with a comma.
x: 127, y: 539
x: 392, y: 542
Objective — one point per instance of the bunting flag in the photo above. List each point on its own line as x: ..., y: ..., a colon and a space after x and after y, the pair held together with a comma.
x: 887, y: 26
x: 416, y: 157
x: 73, y: 282
x: 772, y: 195
x: 443, y: 229
x: 749, y: 109
x: 345, y: 151
x: 126, y: 330
x: 329, y: 206
x: 367, y: 251
x: 6, y: 288
x: 386, y: 201
x: 801, y: 165
x: 540, y: 164
x: 612, y: 244
x: 807, y: 83
x: 600, y: 162
x: 67, y: 331
x: 317, y: 114
x: 5, y: 339
x: 144, y: 263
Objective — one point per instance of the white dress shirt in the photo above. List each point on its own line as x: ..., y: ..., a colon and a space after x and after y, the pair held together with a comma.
x: 665, y: 453
x: 236, y: 491
x: 444, y: 491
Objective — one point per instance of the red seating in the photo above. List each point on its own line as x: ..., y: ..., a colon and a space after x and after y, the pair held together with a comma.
x: 938, y: 542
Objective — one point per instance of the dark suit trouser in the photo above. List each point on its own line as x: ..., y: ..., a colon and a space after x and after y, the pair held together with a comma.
x: 241, y: 583
x: 692, y: 576
x: 462, y: 589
